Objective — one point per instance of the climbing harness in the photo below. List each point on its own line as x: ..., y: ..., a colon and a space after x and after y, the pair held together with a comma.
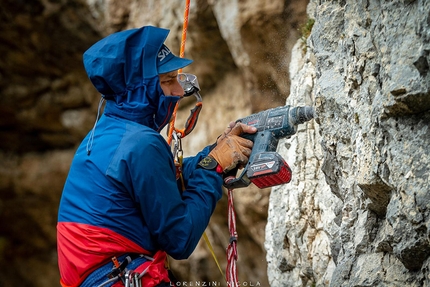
x: 120, y: 272
x: 135, y: 270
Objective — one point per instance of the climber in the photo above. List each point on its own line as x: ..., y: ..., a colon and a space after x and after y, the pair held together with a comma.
x: 122, y: 211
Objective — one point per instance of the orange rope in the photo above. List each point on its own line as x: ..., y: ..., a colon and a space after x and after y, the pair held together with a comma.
x: 172, y: 121
x: 184, y: 30
x: 181, y: 54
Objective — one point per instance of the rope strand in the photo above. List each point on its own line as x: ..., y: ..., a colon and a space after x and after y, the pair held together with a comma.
x: 231, y: 270
x: 181, y: 54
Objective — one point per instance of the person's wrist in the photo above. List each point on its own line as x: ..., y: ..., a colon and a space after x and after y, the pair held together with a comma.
x: 209, y: 163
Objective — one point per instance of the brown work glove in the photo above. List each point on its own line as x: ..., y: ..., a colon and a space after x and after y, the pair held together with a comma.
x: 231, y: 149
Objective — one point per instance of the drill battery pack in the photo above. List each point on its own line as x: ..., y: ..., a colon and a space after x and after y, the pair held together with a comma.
x: 268, y: 169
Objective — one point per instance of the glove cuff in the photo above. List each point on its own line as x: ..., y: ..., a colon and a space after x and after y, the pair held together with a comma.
x: 210, y: 163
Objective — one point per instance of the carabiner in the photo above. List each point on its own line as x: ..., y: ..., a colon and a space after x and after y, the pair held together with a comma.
x: 177, y: 147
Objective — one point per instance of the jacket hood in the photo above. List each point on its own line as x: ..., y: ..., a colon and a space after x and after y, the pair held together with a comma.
x: 123, y: 68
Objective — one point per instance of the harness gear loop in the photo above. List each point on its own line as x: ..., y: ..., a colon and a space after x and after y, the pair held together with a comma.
x: 231, y: 269
x: 130, y: 277
x: 119, y: 269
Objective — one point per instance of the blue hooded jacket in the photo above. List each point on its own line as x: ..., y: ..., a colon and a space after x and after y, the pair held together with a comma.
x: 122, y: 195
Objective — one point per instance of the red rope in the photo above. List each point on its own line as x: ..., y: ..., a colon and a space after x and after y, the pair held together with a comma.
x: 231, y: 270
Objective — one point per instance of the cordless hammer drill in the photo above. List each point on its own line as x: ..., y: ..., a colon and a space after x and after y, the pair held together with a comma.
x: 266, y: 167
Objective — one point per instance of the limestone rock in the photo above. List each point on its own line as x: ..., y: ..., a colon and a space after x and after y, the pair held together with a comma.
x: 367, y: 69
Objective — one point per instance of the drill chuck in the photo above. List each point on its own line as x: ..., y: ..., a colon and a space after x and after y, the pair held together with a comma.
x: 300, y: 115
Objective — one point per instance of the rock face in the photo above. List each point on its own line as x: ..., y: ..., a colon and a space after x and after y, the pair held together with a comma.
x: 357, y: 213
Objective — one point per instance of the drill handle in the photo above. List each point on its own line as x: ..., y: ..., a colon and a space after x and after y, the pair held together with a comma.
x: 232, y: 182
x: 250, y: 137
